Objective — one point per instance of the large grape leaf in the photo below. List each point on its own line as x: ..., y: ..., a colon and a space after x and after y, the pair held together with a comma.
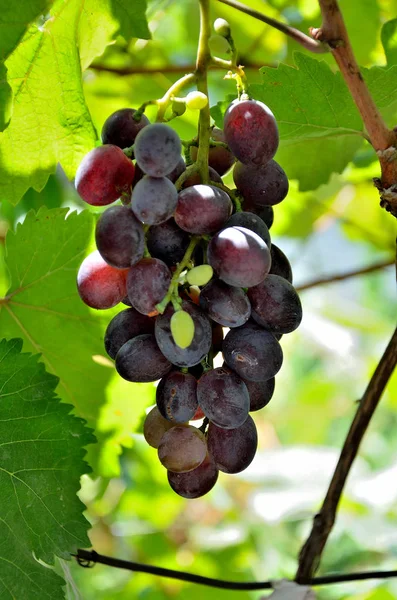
x: 43, y: 308
x: 41, y: 461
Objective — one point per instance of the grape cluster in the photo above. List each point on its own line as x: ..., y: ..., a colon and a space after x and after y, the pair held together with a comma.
x: 189, y: 263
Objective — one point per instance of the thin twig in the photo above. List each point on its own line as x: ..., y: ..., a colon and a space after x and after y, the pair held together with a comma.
x: 384, y: 140
x: 141, y: 70
x: 310, y: 554
x: 88, y: 558
x: 347, y: 275
x: 302, y: 39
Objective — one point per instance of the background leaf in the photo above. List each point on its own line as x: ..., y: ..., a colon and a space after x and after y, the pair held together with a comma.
x: 389, y: 41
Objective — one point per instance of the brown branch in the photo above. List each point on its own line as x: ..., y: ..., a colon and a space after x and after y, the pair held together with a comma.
x: 323, y: 522
x: 302, y: 39
x: 166, y: 68
x: 384, y: 140
x: 347, y: 275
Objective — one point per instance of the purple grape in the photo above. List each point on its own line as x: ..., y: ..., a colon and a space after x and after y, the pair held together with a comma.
x: 219, y: 158
x: 126, y: 325
x: 250, y: 221
x: 176, y: 396
x: 225, y: 304
x: 182, y: 449
x: 261, y: 185
x: 155, y: 427
x: 168, y: 242
x: 276, y: 305
x: 201, y: 344
x: 140, y: 360
x: 154, y: 200
x: 260, y: 392
x: 104, y: 175
x: 223, y: 397
x: 202, y: 209
x: 239, y: 256
x: 177, y: 172
x: 100, y: 285
x: 195, y: 179
x: 121, y: 129
x: 147, y: 284
x: 280, y: 264
x: 266, y: 213
x: 250, y: 131
x: 119, y: 237
x: 252, y: 352
x: 196, y: 483
x: 157, y: 149
x: 233, y: 449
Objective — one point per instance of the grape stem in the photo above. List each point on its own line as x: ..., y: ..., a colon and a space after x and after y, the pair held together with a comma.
x: 173, y: 288
x: 173, y: 91
x: 230, y: 193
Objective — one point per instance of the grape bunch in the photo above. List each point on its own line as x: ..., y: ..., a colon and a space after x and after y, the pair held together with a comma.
x: 189, y: 264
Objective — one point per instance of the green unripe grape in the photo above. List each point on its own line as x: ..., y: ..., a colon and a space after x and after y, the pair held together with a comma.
x: 222, y: 27
x: 200, y: 275
x: 182, y: 328
x: 196, y: 100
x: 178, y: 107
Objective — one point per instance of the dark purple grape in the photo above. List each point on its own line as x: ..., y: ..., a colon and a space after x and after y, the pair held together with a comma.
x: 126, y: 325
x: 266, y: 213
x: 100, y: 285
x: 276, y: 305
x: 201, y: 344
x: 121, y: 128
x: 250, y: 131
x: 260, y: 392
x: 104, y: 175
x: 223, y: 397
x: 168, y: 242
x: 119, y: 237
x: 182, y: 449
x: 154, y: 200
x: 250, y: 221
x: 176, y: 396
x: 219, y: 158
x: 196, y: 483
x: 261, y: 185
x: 155, y: 427
x: 147, y: 284
x: 157, y: 149
x: 239, y: 256
x: 177, y: 172
x: 280, y: 264
x: 252, y: 352
x: 202, y: 209
x: 195, y: 179
x: 233, y: 449
x: 140, y: 360
x: 225, y: 304
x: 138, y: 175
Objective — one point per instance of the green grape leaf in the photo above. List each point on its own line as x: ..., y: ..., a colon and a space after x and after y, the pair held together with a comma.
x: 43, y: 308
x: 5, y: 98
x: 131, y: 18
x: 41, y: 461
x: 15, y: 18
x: 363, y: 32
x: 389, y: 41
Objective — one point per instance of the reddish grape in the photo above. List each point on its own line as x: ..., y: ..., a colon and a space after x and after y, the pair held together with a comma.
x: 100, y: 285
x: 276, y: 305
x: 168, y: 242
x: 195, y: 179
x: 198, y: 415
x: 250, y: 131
x: 119, y: 237
x: 202, y: 209
x: 154, y: 200
x: 196, y: 483
x: 261, y: 185
x: 147, y: 284
x: 225, y: 304
x: 223, y: 397
x: 233, y: 449
x: 104, y: 175
x: 280, y: 264
x: 126, y: 325
x: 239, y: 256
x: 252, y: 352
x: 260, y: 392
x: 219, y: 158
x: 157, y: 149
x: 140, y: 360
x: 121, y: 128
x: 250, y: 221
x: 176, y: 396
x: 155, y: 427
x: 182, y: 448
